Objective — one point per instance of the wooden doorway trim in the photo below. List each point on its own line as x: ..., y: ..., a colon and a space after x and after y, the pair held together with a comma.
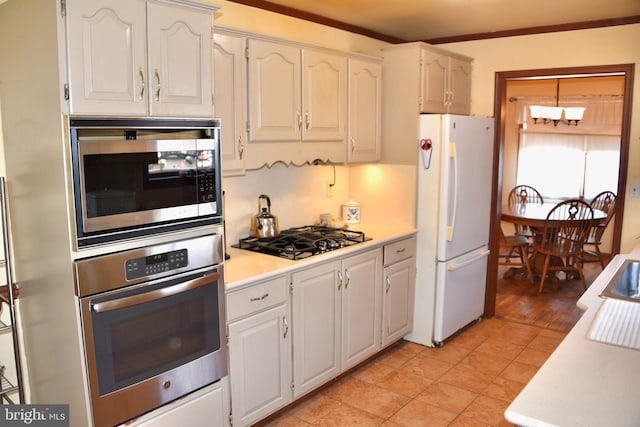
x: 500, y: 103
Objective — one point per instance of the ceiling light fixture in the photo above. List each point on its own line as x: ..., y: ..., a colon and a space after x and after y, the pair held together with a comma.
x: 572, y: 115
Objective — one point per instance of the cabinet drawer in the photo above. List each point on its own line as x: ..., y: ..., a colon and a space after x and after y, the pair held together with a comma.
x: 257, y: 298
x: 400, y: 250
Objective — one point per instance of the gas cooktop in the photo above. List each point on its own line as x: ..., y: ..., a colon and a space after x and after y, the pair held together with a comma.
x: 303, y: 242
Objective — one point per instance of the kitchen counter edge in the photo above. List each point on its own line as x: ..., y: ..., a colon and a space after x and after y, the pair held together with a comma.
x: 584, y: 382
x: 247, y: 267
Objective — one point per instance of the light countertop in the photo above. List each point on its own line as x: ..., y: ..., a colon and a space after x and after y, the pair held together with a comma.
x: 246, y: 267
x: 584, y: 383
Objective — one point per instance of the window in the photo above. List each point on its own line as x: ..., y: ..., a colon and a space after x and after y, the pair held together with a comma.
x: 571, y: 161
x: 564, y: 166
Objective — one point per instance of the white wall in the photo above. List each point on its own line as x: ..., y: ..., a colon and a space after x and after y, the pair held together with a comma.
x: 600, y: 46
x: 298, y: 196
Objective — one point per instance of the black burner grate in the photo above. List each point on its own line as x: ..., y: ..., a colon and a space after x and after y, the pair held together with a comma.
x: 303, y: 242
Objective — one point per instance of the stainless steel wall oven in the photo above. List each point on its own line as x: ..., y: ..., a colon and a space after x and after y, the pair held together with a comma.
x: 153, y: 323
x: 135, y: 177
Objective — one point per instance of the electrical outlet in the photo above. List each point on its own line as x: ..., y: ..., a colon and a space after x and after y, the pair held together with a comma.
x: 634, y: 189
x: 330, y: 186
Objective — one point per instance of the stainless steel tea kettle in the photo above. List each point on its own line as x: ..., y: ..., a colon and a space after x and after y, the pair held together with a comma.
x: 264, y: 224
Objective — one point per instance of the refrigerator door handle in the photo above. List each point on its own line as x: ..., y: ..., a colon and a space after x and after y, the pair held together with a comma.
x: 454, y: 163
x: 452, y: 266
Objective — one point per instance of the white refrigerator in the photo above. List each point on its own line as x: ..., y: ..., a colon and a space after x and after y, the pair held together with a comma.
x: 454, y: 204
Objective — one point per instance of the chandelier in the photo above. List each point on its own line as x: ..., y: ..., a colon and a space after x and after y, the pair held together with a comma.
x: 572, y: 115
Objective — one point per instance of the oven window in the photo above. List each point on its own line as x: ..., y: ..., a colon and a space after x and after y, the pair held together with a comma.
x: 138, y: 342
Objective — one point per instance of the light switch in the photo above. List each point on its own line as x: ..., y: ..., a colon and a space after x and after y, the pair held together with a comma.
x: 634, y: 189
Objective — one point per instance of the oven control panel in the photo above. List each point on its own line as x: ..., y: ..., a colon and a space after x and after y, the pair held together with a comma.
x: 136, y: 268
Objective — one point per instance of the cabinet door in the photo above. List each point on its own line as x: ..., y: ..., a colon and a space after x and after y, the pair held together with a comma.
x: 229, y: 94
x: 459, y: 86
x: 179, y: 61
x: 434, y: 71
x: 324, y: 83
x: 107, y: 59
x: 259, y: 355
x: 365, y: 103
x: 361, y: 307
x: 397, y: 315
x: 203, y: 408
x: 274, y: 92
x: 316, y: 326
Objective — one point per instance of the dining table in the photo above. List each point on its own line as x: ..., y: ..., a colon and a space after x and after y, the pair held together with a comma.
x: 534, y: 216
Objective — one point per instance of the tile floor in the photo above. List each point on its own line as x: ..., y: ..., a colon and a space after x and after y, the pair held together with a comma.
x: 470, y: 381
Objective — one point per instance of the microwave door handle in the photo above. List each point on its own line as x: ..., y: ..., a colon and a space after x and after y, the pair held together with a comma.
x: 154, y: 295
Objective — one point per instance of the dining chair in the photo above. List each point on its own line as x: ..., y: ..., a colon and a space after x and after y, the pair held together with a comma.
x: 520, y: 195
x: 565, y: 231
x: 511, y: 243
x: 605, y: 202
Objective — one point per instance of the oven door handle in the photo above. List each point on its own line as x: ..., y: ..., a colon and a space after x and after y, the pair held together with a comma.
x: 154, y: 295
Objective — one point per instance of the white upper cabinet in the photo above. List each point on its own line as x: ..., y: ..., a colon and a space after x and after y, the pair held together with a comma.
x: 324, y: 84
x: 365, y: 116
x: 446, y: 83
x: 275, y: 112
x: 139, y: 58
x: 419, y: 78
x: 297, y: 104
x: 229, y: 100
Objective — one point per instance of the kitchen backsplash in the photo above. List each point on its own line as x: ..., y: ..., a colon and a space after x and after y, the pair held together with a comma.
x: 298, y: 194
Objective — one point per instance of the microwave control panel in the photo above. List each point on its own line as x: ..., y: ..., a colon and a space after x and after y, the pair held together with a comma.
x: 207, y: 188
x: 137, y: 268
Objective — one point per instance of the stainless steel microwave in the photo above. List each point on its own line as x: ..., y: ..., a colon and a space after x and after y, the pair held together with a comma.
x: 137, y: 177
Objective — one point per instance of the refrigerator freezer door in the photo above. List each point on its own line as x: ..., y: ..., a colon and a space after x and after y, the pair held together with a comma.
x: 460, y: 289
x: 466, y: 156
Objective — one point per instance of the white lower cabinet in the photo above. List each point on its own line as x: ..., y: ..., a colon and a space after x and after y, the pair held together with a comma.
x: 316, y: 334
x: 399, y: 288
x: 291, y: 334
x: 259, y: 350
x: 336, y: 316
x: 204, y: 408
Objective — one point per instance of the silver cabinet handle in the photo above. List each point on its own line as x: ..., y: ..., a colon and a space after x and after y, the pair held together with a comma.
x: 299, y: 119
x: 259, y: 298
x: 353, y: 145
x: 339, y: 280
x: 386, y: 291
x: 240, y: 147
x: 142, y: 83
x: 157, y: 74
x: 400, y: 251
x: 346, y: 284
x: 286, y: 327
x: 154, y: 295
x: 307, y: 120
